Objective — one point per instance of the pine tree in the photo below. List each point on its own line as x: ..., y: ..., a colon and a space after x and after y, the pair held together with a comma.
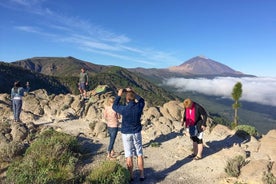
x: 236, y: 95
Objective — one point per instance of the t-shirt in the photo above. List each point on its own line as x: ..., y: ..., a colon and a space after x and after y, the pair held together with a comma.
x: 83, y: 77
x: 111, y: 117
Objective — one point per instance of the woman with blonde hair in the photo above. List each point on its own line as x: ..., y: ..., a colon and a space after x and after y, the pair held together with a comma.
x: 194, y: 120
x: 112, y: 121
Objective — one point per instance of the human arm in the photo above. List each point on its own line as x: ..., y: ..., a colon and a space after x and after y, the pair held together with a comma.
x: 86, y: 79
x: 116, y: 104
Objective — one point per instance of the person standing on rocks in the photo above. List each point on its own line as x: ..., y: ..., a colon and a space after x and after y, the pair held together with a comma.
x: 131, y: 128
x: 194, y: 120
x: 83, y: 82
x: 112, y: 121
x: 17, y: 93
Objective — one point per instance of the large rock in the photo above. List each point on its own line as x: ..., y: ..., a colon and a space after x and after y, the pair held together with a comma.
x: 174, y: 109
x: 253, y: 171
x: 268, y: 145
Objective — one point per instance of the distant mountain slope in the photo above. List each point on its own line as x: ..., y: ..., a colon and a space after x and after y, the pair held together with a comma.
x: 67, y: 70
x: 10, y: 73
x: 58, y: 66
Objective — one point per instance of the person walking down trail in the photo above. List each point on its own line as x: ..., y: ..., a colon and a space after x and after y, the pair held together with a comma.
x: 112, y: 121
x: 17, y: 93
x: 194, y: 120
x: 131, y: 128
x: 83, y: 83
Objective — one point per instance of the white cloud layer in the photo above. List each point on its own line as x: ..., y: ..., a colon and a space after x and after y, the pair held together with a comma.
x: 255, y: 89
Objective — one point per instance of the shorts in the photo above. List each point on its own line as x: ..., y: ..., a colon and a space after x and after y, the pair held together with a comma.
x: 198, y: 138
x: 82, y: 86
x: 132, y: 144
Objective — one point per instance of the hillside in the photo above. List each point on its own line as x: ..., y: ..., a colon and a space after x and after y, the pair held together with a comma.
x: 67, y: 70
x: 10, y: 73
x: 58, y: 66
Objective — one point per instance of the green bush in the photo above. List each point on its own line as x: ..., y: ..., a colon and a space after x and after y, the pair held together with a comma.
x: 234, y: 165
x: 155, y: 144
x: 109, y: 172
x: 49, y: 159
x: 250, y: 130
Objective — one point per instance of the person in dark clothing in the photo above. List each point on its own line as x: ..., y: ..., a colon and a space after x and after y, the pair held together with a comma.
x: 194, y: 120
x: 17, y: 93
x: 131, y: 128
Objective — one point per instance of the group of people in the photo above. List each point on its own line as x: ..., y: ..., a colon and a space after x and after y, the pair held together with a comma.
x: 194, y: 121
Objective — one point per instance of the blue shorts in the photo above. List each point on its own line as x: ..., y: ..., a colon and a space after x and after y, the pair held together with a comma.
x: 132, y: 144
x: 82, y: 86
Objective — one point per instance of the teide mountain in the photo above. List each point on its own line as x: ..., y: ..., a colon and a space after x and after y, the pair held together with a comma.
x: 204, y: 66
x: 194, y: 67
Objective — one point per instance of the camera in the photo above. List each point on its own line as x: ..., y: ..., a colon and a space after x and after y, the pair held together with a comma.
x: 124, y: 90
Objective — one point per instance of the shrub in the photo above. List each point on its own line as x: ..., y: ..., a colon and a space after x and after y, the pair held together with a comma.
x: 250, y: 130
x: 268, y: 177
x: 155, y: 144
x: 234, y: 165
x: 109, y: 172
x: 9, y: 151
x: 49, y: 159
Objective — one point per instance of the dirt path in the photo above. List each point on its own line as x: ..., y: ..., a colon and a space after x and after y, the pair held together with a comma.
x: 166, y: 164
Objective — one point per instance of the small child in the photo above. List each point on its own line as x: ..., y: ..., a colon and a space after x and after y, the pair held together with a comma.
x: 112, y: 121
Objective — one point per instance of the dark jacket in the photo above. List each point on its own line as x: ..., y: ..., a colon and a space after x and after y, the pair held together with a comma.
x: 131, y: 114
x: 200, y: 116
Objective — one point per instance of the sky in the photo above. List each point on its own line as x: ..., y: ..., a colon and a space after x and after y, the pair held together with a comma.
x: 151, y: 34
x: 143, y: 33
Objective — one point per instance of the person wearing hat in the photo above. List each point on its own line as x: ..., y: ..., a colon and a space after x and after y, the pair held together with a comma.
x: 194, y: 121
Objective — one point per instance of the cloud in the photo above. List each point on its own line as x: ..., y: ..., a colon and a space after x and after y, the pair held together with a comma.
x: 81, y: 33
x: 255, y: 89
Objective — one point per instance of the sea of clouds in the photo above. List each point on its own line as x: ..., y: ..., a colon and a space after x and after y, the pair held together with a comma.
x: 255, y: 89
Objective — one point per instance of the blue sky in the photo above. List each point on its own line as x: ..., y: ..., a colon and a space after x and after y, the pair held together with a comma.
x: 143, y: 33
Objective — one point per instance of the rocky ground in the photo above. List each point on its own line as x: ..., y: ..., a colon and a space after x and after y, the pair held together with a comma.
x: 167, y: 163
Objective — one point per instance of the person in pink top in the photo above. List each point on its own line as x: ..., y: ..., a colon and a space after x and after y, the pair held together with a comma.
x: 112, y: 121
x: 194, y: 120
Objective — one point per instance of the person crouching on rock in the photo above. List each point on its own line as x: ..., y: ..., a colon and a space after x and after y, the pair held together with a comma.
x: 112, y: 121
x: 17, y: 93
x: 131, y: 128
x: 194, y: 121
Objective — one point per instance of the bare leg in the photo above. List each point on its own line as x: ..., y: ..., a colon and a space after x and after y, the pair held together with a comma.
x: 129, y: 162
x: 195, y: 148
x: 84, y: 93
x: 200, y: 150
x: 140, y: 163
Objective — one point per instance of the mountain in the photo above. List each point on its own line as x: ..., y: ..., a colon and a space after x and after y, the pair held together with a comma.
x: 58, y: 66
x: 67, y: 69
x: 204, y: 66
x: 195, y: 67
